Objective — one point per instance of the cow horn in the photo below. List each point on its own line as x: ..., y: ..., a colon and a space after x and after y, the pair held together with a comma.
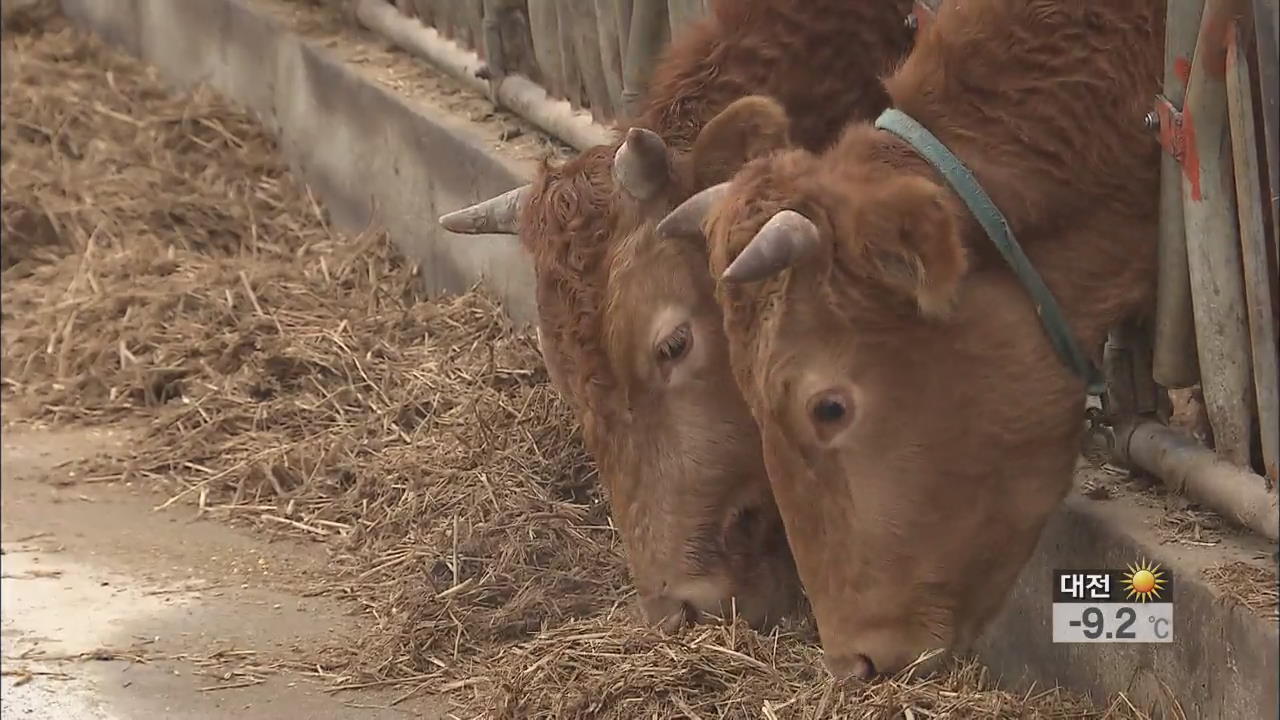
x: 640, y: 164
x: 499, y: 214
x: 686, y: 219
x: 785, y: 239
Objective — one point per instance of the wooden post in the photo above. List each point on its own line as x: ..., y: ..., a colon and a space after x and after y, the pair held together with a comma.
x: 471, y: 17
x: 646, y: 37
x: 516, y: 40
x: 1213, y: 248
x: 1253, y: 242
x: 495, y: 59
x: 1174, y: 361
x: 623, y: 12
x: 586, y: 47
x: 1266, y: 22
x: 446, y: 20
x: 682, y: 12
x: 571, y: 64
x: 426, y: 12
x: 610, y: 52
x: 546, y: 45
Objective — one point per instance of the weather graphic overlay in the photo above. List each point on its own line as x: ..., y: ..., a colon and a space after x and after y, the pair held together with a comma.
x: 1133, y: 605
x: 1143, y: 582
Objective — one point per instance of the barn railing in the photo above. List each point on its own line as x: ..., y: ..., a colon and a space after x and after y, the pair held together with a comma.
x: 1217, y: 296
x: 575, y: 68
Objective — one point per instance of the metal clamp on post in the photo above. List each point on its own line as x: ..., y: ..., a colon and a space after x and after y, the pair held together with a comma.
x: 1166, y: 120
x: 922, y: 14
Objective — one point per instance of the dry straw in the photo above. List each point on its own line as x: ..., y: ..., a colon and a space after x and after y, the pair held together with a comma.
x: 160, y: 265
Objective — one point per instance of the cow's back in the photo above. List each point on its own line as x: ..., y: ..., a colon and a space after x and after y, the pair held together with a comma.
x: 822, y: 59
x: 1050, y: 92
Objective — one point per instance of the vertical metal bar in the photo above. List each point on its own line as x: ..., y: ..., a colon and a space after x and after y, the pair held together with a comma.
x: 1213, y: 250
x: 1174, y: 361
x: 1253, y: 242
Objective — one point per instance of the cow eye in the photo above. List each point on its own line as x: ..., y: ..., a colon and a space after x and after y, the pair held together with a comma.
x: 675, y: 345
x: 830, y: 408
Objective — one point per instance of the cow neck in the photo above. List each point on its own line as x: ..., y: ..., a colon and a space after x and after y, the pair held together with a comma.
x: 998, y: 230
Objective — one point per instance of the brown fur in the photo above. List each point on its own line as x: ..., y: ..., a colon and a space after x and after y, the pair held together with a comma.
x: 678, y: 492
x: 911, y: 515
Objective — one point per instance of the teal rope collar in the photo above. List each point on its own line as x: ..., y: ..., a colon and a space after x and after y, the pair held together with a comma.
x: 997, y: 227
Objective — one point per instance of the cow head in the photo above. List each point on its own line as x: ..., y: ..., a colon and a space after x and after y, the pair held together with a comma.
x: 917, y: 427
x: 632, y: 336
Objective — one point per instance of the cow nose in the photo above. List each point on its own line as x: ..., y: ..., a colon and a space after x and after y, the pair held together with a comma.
x: 668, y: 613
x: 855, y: 665
x: 677, y: 619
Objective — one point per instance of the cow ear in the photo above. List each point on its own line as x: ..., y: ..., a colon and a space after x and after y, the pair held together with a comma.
x: 748, y: 128
x: 914, y: 242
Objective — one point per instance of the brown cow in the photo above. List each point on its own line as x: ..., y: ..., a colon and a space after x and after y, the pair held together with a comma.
x: 629, y: 327
x: 918, y: 427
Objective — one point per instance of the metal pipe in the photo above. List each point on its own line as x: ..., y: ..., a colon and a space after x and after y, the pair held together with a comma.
x: 1189, y: 469
x: 1253, y: 246
x: 514, y: 92
x: 1213, y: 250
x: 1174, y: 361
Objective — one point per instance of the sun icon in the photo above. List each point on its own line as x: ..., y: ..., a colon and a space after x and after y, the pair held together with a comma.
x: 1144, y: 581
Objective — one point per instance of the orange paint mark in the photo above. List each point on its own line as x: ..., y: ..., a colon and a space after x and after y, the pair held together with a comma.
x: 1182, y: 68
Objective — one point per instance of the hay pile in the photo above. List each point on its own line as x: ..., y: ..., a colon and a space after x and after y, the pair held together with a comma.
x: 163, y: 262
x: 160, y: 264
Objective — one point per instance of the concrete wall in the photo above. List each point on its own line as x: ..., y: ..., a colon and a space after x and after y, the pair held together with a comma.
x: 1222, y: 663
x: 354, y: 140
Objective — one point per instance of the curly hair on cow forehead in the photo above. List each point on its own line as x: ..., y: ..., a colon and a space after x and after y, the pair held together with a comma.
x: 566, y: 228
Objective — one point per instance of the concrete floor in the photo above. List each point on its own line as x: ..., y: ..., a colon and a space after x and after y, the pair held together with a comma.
x: 89, y: 567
